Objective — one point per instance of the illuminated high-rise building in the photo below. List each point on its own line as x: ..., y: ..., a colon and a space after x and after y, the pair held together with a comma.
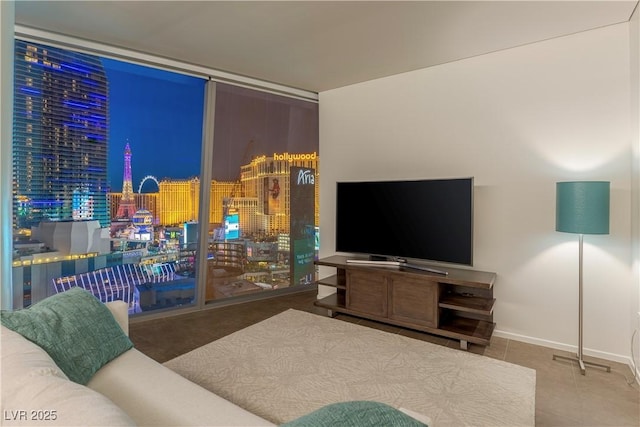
x: 220, y: 190
x: 266, y: 179
x: 178, y: 201
x: 127, y: 205
x: 60, y: 136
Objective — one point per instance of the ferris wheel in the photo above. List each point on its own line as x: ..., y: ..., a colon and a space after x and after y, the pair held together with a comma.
x: 148, y: 177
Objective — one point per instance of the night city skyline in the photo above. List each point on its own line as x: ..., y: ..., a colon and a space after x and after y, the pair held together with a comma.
x: 78, y: 113
x: 160, y: 113
x: 90, y: 130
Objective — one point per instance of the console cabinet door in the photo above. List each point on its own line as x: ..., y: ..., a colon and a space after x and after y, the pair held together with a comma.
x: 414, y: 301
x: 367, y: 293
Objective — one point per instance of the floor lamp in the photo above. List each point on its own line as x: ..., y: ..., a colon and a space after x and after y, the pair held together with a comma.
x: 582, y: 207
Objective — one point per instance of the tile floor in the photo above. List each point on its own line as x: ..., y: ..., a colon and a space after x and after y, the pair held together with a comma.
x: 563, y: 396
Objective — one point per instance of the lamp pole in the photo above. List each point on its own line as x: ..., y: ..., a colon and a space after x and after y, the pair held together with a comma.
x: 582, y: 207
x: 580, y: 355
x: 580, y: 358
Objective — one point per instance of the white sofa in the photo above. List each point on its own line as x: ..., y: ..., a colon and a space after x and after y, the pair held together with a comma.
x: 84, y: 371
x: 132, y: 389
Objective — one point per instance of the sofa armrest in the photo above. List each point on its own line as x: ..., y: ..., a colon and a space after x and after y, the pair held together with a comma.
x: 120, y: 311
x: 153, y: 395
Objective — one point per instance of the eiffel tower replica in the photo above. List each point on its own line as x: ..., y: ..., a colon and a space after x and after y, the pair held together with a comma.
x: 127, y: 206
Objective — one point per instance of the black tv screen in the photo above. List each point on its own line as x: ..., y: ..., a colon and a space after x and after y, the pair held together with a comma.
x: 421, y: 219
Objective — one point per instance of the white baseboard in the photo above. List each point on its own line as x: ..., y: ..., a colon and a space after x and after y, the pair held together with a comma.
x: 565, y: 347
x: 572, y: 349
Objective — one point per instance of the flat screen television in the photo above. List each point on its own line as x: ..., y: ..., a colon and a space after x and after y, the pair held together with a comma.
x: 430, y: 219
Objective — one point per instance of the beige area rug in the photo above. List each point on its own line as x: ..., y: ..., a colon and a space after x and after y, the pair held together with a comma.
x: 295, y: 362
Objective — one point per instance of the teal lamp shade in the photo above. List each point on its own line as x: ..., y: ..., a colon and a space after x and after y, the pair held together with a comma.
x: 582, y: 207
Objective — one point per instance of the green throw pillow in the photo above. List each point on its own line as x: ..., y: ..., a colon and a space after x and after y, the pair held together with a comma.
x: 78, y: 331
x: 355, y: 414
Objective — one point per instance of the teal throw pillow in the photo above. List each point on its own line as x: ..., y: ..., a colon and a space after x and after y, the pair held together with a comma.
x: 74, y: 328
x: 355, y: 414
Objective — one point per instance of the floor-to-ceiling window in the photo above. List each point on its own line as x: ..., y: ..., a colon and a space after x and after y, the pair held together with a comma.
x: 264, y: 193
x: 109, y: 189
x: 107, y: 156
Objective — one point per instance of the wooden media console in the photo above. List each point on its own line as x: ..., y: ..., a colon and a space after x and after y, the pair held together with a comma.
x: 457, y: 305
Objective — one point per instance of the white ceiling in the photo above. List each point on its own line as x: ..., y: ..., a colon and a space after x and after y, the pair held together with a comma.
x: 319, y: 45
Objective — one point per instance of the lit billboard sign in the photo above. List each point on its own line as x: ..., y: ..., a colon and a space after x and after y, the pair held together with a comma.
x: 302, y: 224
x: 232, y: 226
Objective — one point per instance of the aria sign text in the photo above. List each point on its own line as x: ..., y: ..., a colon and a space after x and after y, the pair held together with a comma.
x: 305, y: 177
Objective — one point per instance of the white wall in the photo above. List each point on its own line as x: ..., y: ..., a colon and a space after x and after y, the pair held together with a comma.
x: 518, y: 120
